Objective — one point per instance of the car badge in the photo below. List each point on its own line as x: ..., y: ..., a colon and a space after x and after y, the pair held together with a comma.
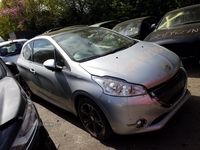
x: 166, y: 67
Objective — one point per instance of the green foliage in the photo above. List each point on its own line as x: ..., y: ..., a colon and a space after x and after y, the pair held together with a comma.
x: 11, y: 17
x: 42, y: 15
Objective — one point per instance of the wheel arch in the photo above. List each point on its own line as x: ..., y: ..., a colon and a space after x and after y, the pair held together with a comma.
x: 82, y: 94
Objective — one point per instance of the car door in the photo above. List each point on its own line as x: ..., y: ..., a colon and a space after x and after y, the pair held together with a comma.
x: 24, y: 64
x: 54, y: 86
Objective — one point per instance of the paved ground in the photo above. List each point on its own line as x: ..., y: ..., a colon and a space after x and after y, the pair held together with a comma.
x: 182, y: 132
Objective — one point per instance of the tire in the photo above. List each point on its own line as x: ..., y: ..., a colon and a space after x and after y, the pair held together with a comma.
x: 93, y: 119
x: 49, y: 145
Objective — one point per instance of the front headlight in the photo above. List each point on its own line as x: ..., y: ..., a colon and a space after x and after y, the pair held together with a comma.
x: 117, y: 87
x: 30, y: 122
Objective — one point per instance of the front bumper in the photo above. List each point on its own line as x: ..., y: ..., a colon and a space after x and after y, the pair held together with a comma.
x: 41, y: 140
x: 123, y: 113
x: 30, y: 132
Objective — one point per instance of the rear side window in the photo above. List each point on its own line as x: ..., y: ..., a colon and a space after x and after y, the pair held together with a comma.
x: 27, y: 51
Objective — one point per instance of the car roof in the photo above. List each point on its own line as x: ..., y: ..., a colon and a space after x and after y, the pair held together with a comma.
x: 185, y: 8
x: 12, y: 41
x: 66, y: 29
x: 58, y: 28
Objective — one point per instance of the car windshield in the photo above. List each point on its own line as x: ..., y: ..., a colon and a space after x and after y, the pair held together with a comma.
x: 178, y: 18
x: 129, y: 28
x: 90, y: 43
x: 11, y: 49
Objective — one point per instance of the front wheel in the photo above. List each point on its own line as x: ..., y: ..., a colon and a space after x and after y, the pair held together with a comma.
x: 93, y: 119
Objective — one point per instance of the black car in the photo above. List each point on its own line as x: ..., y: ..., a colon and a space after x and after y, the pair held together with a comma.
x: 20, y: 125
x: 179, y: 31
x: 137, y: 28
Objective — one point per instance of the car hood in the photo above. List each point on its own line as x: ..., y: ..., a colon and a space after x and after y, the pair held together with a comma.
x: 143, y: 63
x: 11, y: 103
x: 184, y: 33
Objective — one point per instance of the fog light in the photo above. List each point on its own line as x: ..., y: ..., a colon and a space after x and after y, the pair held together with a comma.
x: 141, y: 123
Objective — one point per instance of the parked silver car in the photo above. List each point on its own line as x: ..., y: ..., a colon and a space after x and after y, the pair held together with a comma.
x: 110, y: 81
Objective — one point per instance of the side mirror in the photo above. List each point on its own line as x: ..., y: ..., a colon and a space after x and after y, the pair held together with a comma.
x: 153, y: 26
x: 13, y: 67
x: 50, y: 64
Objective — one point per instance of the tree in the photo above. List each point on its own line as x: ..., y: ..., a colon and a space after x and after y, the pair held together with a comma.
x: 12, y: 17
x: 42, y: 15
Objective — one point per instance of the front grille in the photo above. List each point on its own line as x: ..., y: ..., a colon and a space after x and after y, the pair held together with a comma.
x: 169, y: 92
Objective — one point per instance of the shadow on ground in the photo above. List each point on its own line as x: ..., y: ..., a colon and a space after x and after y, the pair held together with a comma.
x: 193, y: 69
x: 66, y: 115
x: 181, y: 132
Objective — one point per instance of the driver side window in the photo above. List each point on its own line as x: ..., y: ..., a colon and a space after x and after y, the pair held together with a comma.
x: 59, y: 60
x: 42, y: 51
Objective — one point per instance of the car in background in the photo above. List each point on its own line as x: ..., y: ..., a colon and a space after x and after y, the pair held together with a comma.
x: 20, y: 125
x: 106, y: 24
x: 137, y: 28
x: 10, y: 50
x: 1, y: 39
x: 179, y: 31
x: 112, y: 82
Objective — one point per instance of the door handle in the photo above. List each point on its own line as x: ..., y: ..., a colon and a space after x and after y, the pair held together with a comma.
x: 32, y: 70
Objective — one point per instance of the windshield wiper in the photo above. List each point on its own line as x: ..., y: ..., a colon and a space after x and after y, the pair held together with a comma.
x: 101, y: 55
x: 114, y: 51
x: 111, y: 52
x: 119, y: 49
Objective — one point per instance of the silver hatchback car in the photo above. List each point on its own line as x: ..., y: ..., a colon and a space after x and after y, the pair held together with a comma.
x: 111, y: 82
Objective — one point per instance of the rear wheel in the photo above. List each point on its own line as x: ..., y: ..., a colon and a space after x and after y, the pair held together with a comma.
x: 93, y: 119
x: 49, y: 145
